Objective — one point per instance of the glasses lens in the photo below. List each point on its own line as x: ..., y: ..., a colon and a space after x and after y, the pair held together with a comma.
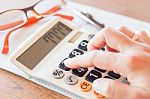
x: 12, y: 19
x: 48, y: 6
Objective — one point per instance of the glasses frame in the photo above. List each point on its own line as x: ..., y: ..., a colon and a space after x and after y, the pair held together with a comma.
x: 34, y: 19
x: 25, y: 10
x: 31, y: 8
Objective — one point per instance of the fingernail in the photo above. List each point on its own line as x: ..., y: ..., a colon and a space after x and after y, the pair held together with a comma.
x: 100, y: 85
x: 68, y: 62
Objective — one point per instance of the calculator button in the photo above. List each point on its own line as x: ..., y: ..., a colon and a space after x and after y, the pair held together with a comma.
x: 62, y: 65
x: 98, y: 95
x: 114, y: 75
x: 85, y: 86
x: 71, y: 80
x: 80, y: 71
x: 100, y: 70
x: 75, y: 52
x: 108, y: 77
x: 58, y: 74
x: 93, y: 75
x: 83, y: 45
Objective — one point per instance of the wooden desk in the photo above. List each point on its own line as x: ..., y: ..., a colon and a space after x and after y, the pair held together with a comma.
x: 15, y: 87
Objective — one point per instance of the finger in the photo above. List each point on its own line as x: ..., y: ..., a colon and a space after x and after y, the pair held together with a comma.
x: 136, y: 38
x: 115, y: 90
x: 129, y: 33
x: 113, y: 38
x: 144, y: 37
x: 141, y: 36
x: 104, y: 60
x: 126, y: 31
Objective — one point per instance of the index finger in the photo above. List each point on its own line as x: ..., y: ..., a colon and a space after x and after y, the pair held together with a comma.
x: 104, y: 60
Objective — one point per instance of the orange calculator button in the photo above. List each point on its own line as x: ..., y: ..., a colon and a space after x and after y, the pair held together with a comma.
x: 98, y: 96
x: 85, y: 86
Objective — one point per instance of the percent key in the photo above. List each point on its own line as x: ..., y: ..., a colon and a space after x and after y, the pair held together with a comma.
x: 58, y: 74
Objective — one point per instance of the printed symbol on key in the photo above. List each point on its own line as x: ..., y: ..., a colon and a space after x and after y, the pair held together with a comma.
x: 85, y: 86
x: 93, y: 75
x: 83, y: 45
x: 71, y: 80
x: 80, y: 71
x: 75, y: 52
x: 90, y: 36
x: 58, y: 74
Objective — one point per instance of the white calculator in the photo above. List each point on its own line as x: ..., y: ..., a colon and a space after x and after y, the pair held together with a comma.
x: 43, y: 53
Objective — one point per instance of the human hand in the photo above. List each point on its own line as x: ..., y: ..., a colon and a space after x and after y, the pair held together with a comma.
x: 128, y: 54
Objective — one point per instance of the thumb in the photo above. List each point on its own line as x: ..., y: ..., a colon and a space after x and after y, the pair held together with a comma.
x: 114, y: 89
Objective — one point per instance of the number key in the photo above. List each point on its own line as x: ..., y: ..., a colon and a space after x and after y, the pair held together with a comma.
x: 71, y: 80
x: 75, y: 52
x: 80, y: 71
x: 83, y: 45
x: 114, y: 75
x: 108, y: 77
x: 62, y: 65
x: 93, y: 75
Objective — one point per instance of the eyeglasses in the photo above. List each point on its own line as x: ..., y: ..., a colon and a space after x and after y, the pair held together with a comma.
x: 13, y: 19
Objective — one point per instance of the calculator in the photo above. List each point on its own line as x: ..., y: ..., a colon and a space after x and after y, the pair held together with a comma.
x: 43, y: 54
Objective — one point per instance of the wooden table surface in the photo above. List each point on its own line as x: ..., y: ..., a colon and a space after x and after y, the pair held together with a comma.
x: 16, y: 87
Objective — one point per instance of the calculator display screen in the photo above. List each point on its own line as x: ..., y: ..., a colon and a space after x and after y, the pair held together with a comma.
x: 37, y: 51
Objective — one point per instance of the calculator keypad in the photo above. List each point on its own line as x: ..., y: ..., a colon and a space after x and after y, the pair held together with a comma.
x: 62, y: 65
x: 93, y: 75
x: 80, y: 71
x: 75, y: 52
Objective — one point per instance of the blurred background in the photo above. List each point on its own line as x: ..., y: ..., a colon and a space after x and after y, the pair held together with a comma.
x: 139, y: 9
